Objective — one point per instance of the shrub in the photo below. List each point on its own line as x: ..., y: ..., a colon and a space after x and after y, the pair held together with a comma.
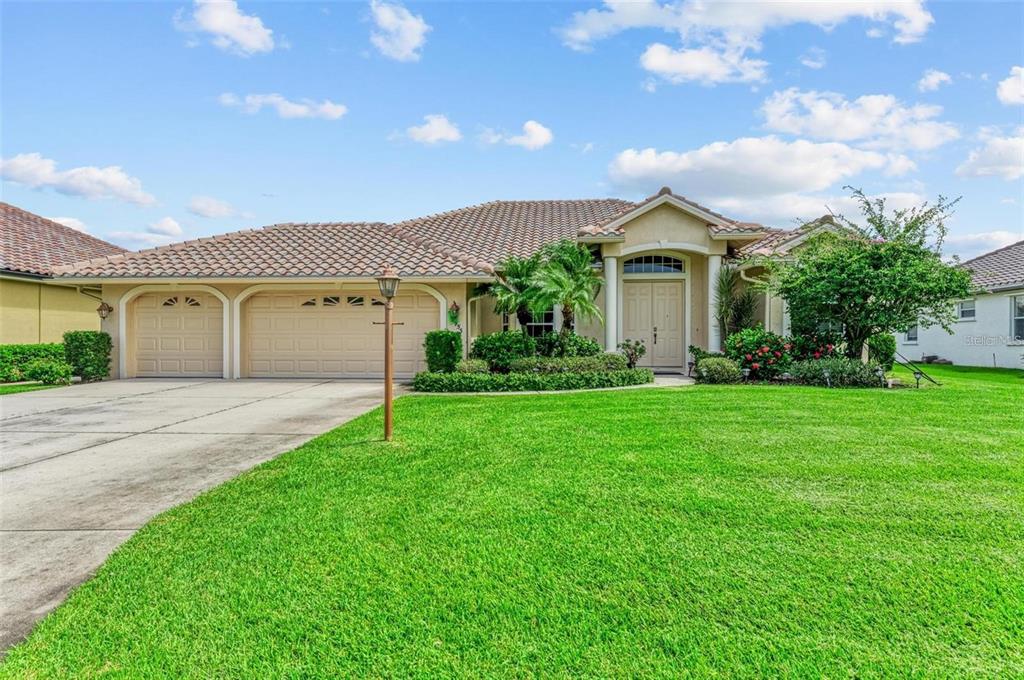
x: 48, y: 371
x: 698, y: 353
x: 443, y: 349
x: 88, y: 352
x: 763, y: 352
x: 842, y: 372
x: 602, y: 362
x: 14, y: 358
x: 718, y: 371
x: 882, y: 350
x: 553, y: 344
x: 472, y: 366
x: 520, y: 382
x: 500, y: 349
x: 633, y: 350
x: 816, y: 345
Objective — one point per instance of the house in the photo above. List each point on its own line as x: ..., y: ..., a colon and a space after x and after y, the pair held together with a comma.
x: 300, y: 300
x: 989, y: 330
x: 34, y: 307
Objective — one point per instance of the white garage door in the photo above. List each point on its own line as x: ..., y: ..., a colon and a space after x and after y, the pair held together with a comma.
x: 178, y: 335
x: 332, y: 334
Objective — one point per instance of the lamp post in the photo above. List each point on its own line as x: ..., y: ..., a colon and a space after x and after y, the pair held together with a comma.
x: 388, y: 283
x: 880, y: 372
x: 918, y: 374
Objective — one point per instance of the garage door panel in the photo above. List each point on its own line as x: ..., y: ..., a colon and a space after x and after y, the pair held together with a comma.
x: 178, y: 335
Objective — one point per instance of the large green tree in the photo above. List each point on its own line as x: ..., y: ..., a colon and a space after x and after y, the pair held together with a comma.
x: 567, y: 279
x: 881, y: 274
x: 513, y: 289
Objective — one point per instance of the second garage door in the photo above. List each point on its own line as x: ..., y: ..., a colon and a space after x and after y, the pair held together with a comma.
x: 309, y: 335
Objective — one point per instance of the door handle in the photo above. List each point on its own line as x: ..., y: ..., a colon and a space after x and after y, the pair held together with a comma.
x: 655, y: 335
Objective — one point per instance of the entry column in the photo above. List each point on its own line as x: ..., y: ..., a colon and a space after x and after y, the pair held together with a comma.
x: 611, y: 302
x: 714, y: 334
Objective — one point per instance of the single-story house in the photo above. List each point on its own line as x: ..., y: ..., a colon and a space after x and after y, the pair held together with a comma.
x: 32, y: 308
x: 299, y: 300
x: 989, y: 330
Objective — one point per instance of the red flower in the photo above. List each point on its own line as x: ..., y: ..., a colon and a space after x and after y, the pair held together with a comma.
x: 771, y: 361
x: 778, y: 353
x: 749, y: 357
x: 817, y: 355
x: 787, y: 347
x: 765, y: 349
x: 755, y: 365
x: 829, y: 347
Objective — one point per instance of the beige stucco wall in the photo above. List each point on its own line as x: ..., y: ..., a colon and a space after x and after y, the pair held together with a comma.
x: 33, y: 312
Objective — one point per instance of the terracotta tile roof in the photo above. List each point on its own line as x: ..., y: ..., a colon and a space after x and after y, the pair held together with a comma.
x: 766, y: 245
x: 999, y: 270
x: 30, y: 244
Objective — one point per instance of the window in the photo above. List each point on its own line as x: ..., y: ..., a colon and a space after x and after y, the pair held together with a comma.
x: 331, y: 301
x: 171, y: 301
x: 311, y: 302
x: 539, y: 324
x: 1017, y: 312
x: 376, y: 302
x: 504, y: 322
x: 911, y: 335
x: 354, y: 300
x: 653, y: 264
x: 192, y: 302
x: 965, y: 310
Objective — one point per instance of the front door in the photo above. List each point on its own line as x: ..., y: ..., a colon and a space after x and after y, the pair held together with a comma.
x: 653, y: 313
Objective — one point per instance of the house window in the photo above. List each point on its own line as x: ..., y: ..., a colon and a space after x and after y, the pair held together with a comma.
x: 331, y: 301
x: 504, y: 322
x: 192, y: 302
x: 653, y: 264
x: 542, y: 323
x: 354, y: 300
x: 311, y: 302
x: 377, y: 302
x: 171, y: 301
x: 965, y: 310
x: 1018, y: 317
x: 911, y: 335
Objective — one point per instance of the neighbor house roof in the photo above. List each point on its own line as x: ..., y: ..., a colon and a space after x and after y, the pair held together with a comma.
x: 34, y: 245
x: 469, y: 241
x: 999, y: 270
x: 781, y: 241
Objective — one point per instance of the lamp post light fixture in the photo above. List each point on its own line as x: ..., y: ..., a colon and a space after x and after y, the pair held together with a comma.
x: 880, y: 372
x: 388, y: 282
x: 828, y: 377
x: 104, y: 310
x: 746, y: 373
x: 917, y: 377
x: 689, y: 367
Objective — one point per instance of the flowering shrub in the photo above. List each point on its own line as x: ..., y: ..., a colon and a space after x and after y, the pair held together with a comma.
x: 814, y: 346
x: 763, y: 352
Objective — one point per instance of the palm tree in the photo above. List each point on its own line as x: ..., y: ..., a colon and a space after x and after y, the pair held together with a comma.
x: 736, y: 305
x: 567, y: 279
x: 513, y: 288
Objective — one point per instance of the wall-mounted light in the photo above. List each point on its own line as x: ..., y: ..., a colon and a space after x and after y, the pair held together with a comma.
x: 104, y: 310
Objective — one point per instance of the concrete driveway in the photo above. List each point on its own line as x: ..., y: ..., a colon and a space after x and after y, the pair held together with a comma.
x: 83, y: 467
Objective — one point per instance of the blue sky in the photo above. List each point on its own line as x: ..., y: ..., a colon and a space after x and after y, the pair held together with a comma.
x: 146, y: 123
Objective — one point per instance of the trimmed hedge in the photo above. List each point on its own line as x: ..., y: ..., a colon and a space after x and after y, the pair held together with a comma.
x: 553, y: 344
x: 443, y: 349
x: 472, y: 366
x: 500, y: 349
x: 602, y: 362
x: 843, y: 372
x: 88, y: 352
x: 49, y: 371
x: 522, y: 382
x: 14, y: 358
x: 718, y: 371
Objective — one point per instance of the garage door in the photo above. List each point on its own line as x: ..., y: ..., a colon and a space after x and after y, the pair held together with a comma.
x: 332, y: 334
x: 178, y: 335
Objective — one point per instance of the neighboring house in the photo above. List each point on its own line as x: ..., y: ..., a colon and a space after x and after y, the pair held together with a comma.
x: 990, y: 326
x: 300, y: 300
x: 33, y: 308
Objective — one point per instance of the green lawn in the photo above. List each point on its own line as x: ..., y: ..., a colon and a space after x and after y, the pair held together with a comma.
x: 697, y: 531
x: 23, y: 387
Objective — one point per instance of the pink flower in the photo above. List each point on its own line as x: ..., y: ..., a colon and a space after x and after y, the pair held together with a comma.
x: 829, y: 347
x: 778, y: 353
x: 817, y: 355
x: 755, y: 365
x: 749, y: 357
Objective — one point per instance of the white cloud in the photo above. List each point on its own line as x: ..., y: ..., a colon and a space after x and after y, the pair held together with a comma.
x: 305, y: 108
x: 71, y: 222
x: 997, y: 157
x: 436, y: 129
x: 163, y: 231
x: 166, y: 226
x: 789, y: 209
x: 814, y: 58
x: 89, y: 181
x: 534, y: 136
x: 206, y: 206
x: 230, y: 28
x: 933, y: 80
x: 1011, y: 90
x: 705, y: 65
x: 874, y: 120
x: 970, y: 245
x: 875, y: 32
x: 400, y: 34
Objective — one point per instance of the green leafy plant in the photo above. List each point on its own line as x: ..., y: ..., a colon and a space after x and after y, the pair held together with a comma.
x: 882, y: 350
x: 816, y: 345
x: 512, y: 289
x: 698, y: 353
x: 553, y: 344
x: 519, y: 382
x: 718, y: 371
x: 764, y: 353
x: 500, y: 349
x: 633, y: 350
x: 736, y: 302
x: 472, y: 366
x: 568, y: 280
x: 837, y: 371
x: 48, y: 371
x: 14, y: 358
x: 443, y: 349
x: 88, y: 352
x: 609, y: 361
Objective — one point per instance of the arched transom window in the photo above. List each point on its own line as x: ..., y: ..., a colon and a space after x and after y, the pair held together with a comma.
x: 653, y: 264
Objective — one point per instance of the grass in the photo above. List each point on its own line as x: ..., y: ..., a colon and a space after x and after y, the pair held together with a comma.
x: 703, y: 531
x: 23, y: 387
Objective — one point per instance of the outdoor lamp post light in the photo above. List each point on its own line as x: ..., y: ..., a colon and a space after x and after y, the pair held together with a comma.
x: 104, y: 310
x: 880, y: 372
x: 917, y: 377
x: 746, y: 373
x: 828, y: 377
x: 689, y: 367
x: 388, y: 283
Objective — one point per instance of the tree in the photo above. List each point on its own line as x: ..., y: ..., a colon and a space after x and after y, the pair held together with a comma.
x: 567, y: 279
x: 881, y: 277
x: 513, y: 290
x: 736, y: 304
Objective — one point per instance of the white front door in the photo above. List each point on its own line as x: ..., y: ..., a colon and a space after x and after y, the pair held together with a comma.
x: 653, y: 313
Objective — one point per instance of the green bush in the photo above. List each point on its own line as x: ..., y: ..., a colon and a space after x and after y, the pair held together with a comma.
x: 443, y: 349
x: 718, y: 371
x: 816, y: 345
x: 698, y: 353
x: 48, y: 371
x: 522, y: 382
x: 14, y: 358
x: 842, y: 372
x: 763, y: 352
x: 553, y: 344
x: 633, y: 350
x: 500, y: 349
x: 602, y: 362
x: 472, y: 366
x: 88, y: 352
x: 882, y: 350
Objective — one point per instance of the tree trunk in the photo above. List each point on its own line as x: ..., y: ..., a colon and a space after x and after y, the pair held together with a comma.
x: 855, y: 342
x: 568, y: 319
x: 523, y: 317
